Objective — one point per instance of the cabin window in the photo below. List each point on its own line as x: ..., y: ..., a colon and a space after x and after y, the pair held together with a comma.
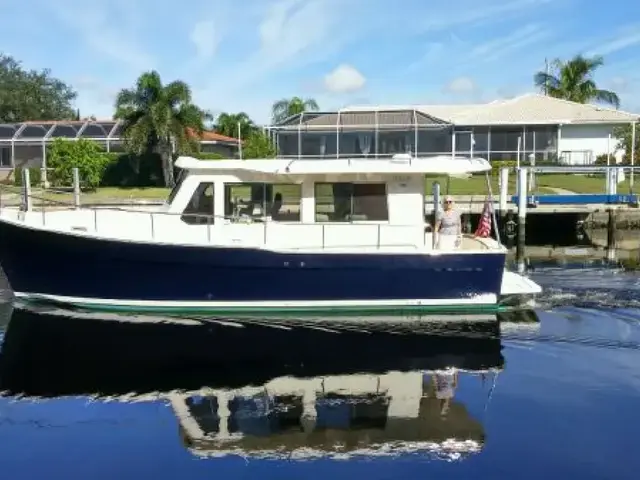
x: 351, y: 202
x: 200, y: 209
x: 259, y: 201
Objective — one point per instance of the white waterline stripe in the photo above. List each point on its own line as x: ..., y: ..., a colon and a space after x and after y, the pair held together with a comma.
x: 475, y: 300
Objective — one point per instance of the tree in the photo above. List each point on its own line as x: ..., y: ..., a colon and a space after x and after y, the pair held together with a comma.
x: 287, y: 107
x: 32, y: 94
x: 258, y: 145
x: 227, y: 124
x: 160, y: 119
x: 573, y: 80
x: 624, y: 135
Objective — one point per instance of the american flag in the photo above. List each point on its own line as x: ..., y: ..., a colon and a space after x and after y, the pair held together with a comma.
x: 484, y: 225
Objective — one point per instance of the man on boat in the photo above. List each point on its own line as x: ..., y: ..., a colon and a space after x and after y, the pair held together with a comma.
x: 448, y: 226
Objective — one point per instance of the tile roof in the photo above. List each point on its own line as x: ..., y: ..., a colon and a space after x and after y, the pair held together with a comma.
x: 526, y: 109
x: 355, y: 119
x: 67, y: 122
x: 211, y: 136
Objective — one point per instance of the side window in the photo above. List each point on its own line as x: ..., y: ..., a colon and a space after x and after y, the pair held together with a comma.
x: 370, y: 202
x: 351, y: 202
x: 284, y: 205
x: 260, y: 201
x: 200, y: 209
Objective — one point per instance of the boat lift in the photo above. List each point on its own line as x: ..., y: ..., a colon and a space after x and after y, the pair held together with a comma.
x: 610, y: 197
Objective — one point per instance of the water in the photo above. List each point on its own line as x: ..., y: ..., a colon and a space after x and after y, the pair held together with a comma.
x: 550, y: 393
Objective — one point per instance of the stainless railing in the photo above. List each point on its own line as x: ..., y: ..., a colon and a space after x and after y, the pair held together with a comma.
x: 47, y: 206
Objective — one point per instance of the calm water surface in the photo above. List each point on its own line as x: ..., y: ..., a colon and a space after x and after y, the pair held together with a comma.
x: 551, y: 393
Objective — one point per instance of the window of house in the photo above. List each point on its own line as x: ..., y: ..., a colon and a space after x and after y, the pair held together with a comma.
x: 200, y: 209
x: 434, y: 140
x: 392, y: 143
x: 351, y: 202
x: 260, y: 201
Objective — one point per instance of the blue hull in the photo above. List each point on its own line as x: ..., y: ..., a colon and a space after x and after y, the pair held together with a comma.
x: 53, y: 264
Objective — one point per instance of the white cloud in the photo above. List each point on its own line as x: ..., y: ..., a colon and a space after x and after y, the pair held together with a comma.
x: 205, y: 38
x: 498, y: 47
x: 432, y: 52
x: 100, y: 31
x: 619, y: 84
x: 629, y: 38
x: 344, y: 79
x: 474, y: 13
x: 95, y: 97
x: 461, y: 85
x: 291, y: 27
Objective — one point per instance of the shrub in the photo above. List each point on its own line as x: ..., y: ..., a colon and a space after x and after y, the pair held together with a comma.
x: 131, y: 170
x: 602, y: 160
x: 258, y: 145
x: 208, y: 156
x: 85, y: 155
x: 498, y: 165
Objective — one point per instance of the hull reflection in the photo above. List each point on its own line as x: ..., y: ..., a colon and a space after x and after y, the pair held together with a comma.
x: 49, y: 354
x: 267, y: 392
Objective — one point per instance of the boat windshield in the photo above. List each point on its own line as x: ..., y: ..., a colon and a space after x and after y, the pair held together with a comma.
x: 176, y: 187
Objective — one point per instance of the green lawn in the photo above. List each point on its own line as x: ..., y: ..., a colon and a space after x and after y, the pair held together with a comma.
x: 579, y: 183
x: 475, y: 185
x: 105, y: 194
x: 544, y: 184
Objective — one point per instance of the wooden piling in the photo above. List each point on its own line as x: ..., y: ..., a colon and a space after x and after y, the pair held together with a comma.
x: 504, y: 191
x: 26, y: 189
x: 611, y: 233
x: 76, y: 188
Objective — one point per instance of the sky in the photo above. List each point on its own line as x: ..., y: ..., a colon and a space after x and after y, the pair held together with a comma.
x: 243, y: 55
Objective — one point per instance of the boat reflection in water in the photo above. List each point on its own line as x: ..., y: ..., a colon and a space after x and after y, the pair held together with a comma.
x: 324, y: 395
x: 366, y: 414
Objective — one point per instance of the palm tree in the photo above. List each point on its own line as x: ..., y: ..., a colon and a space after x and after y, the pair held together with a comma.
x: 287, y: 107
x: 573, y: 80
x: 159, y: 119
x: 227, y: 124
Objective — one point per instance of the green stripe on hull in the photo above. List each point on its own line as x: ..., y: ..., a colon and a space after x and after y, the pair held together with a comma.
x: 292, y: 311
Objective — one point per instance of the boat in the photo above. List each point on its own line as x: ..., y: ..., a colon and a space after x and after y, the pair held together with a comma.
x: 284, y: 236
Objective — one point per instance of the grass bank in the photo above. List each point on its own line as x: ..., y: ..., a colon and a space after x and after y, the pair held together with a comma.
x: 545, y: 184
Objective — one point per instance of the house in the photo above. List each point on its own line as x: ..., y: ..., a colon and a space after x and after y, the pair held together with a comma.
x: 538, y: 127
x: 25, y: 144
x: 212, y: 142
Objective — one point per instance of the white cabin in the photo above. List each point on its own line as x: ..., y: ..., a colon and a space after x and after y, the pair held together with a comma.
x: 306, y: 204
